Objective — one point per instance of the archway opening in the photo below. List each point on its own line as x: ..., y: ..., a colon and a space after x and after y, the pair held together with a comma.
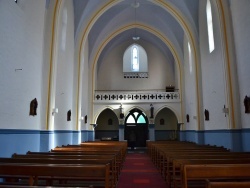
x: 107, y: 126
x: 136, y: 122
x: 166, y: 125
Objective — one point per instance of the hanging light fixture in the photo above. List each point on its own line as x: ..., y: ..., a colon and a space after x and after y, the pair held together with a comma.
x: 135, y: 5
x: 135, y: 38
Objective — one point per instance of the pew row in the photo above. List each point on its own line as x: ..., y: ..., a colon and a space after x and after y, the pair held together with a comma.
x: 225, y: 184
x: 170, y: 157
x: 94, y: 173
x: 176, y: 160
x: 179, y: 163
x: 82, y: 161
x: 193, y: 172
x: 91, y: 154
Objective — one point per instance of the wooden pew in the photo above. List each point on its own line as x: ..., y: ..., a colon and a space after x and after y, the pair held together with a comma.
x: 121, y: 152
x: 166, y: 162
x: 116, y: 149
x: 160, y: 151
x: 164, y: 153
x: 179, y: 163
x: 113, y: 170
x: 86, y: 151
x: 151, y: 145
x: 174, y: 162
x: 68, y: 151
x: 167, y: 156
x: 76, y: 155
x: 215, y: 172
x: 89, y: 152
x: 225, y: 184
x: 95, y: 173
x: 99, y: 153
x: 156, y: 147
x: 123, y: 145
x: 46, y: 156
x: 120, y: 148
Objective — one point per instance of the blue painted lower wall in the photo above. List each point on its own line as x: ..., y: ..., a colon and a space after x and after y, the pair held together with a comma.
x: 235, y: 140
x: 21, y: 141
x: 164, y: 135
x: 99, y: 134
x: 14, y: 141
x: 246, y: 139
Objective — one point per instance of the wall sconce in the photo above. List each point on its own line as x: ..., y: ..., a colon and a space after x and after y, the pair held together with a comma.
x: 84, y: 118
x: 54, y: 111
x: 94, y: 125
x: 225, y: 110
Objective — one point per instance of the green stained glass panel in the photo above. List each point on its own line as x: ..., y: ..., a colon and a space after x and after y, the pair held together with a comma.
x: 141, y: 119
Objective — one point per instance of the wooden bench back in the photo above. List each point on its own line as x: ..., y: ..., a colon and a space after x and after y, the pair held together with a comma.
x: 215, y: 171
x: 89, y: 172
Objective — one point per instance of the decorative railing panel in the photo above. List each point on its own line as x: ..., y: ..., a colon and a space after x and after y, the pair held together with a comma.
x: 133, y: 96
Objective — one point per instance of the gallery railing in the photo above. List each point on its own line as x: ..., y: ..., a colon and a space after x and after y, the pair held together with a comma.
x: 101, y: 96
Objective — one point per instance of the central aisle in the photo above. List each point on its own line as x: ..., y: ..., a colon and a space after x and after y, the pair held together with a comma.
x: 139, y: 172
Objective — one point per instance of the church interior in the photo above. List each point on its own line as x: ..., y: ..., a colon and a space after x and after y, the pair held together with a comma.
x: 73, y: 71
x: 125, y: 93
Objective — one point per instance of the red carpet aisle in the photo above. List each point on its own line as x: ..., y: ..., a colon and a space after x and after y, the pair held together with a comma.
x: 139, y: 172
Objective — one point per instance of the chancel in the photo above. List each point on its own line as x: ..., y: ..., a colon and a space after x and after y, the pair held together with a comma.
x: 138, y: 66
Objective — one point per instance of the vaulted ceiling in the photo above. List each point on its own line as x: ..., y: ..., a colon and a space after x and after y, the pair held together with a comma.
x: 153, y: 14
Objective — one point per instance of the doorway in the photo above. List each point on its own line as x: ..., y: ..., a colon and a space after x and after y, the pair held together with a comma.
x: 137, y: 122
x: 166, y: 125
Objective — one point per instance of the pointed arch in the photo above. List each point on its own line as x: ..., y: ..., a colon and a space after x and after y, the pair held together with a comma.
x: 178, y: 117
x: 101, y: 110
x: 158, y: 34
x: 136, y: 116
x: 184, y: 24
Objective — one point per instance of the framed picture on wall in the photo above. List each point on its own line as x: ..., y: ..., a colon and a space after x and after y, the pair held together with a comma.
x: 110, y: 122
x: 162, y: 121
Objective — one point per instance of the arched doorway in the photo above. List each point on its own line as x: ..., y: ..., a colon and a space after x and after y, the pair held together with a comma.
x: 136, y: 121
x: 166, y: 125
x: 107, y: 126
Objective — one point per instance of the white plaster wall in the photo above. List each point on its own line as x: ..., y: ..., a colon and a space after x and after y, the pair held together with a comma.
x: 110, y: 73
x: 21, y: 47
x: 241, y: 27
x: 65, y: 64
x: 190, y: 98
x: 212, y: 71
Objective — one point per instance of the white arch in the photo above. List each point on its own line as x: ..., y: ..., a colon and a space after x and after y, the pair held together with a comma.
x: 177, y: 15
x: 177, y: 115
